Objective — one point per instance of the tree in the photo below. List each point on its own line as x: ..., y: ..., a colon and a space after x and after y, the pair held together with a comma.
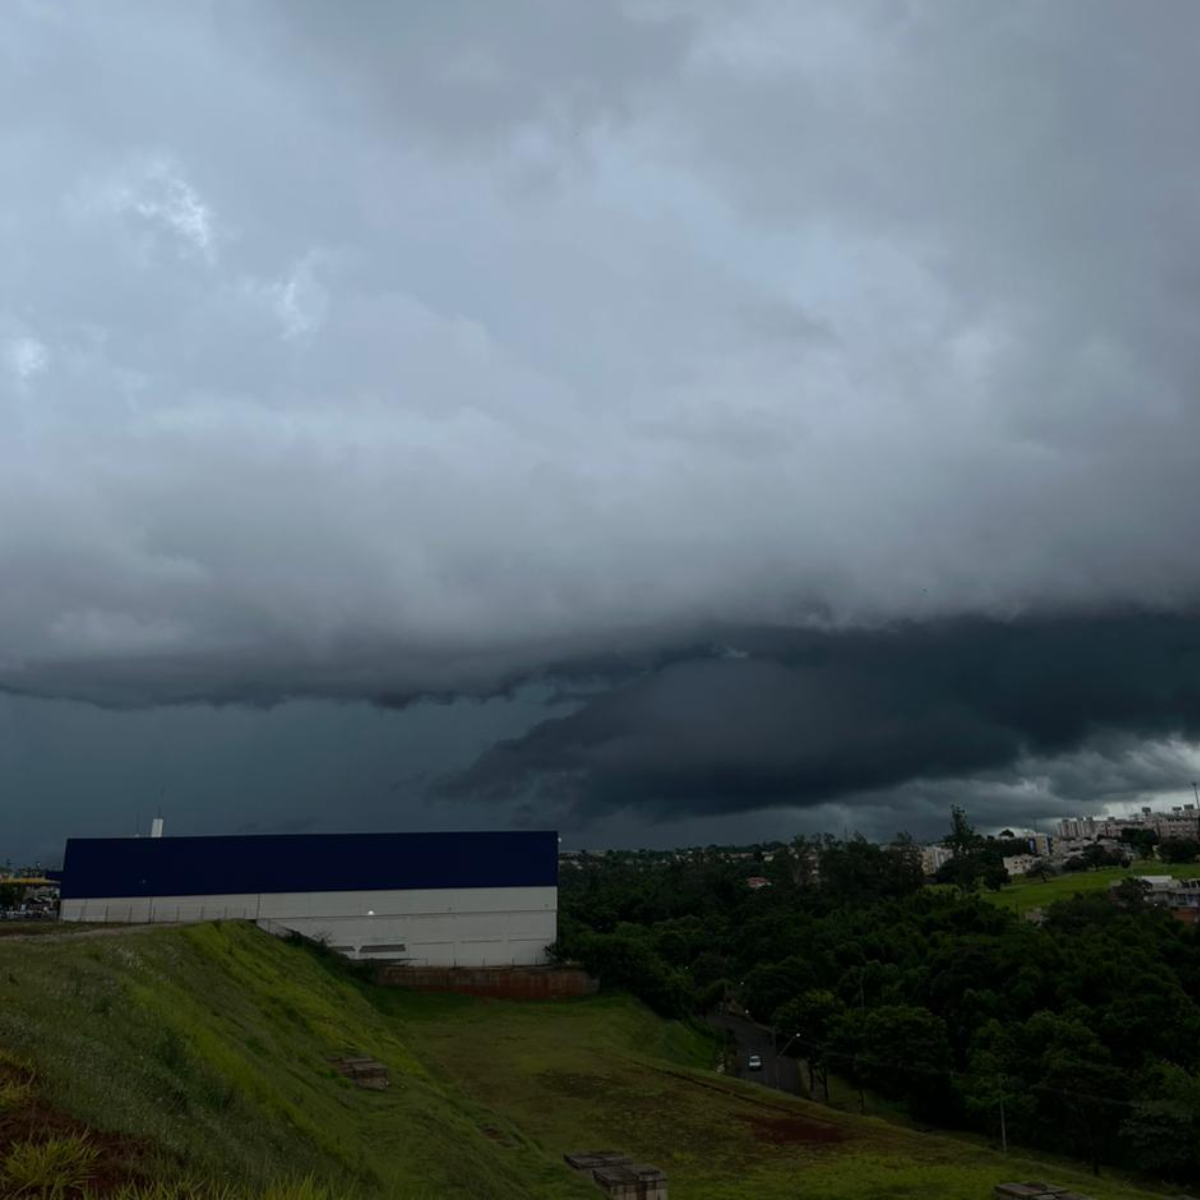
x: 803, y: 858
x: 1131, y: 893
x: 994, y: 875
x: 1179, y: 850
x: 1085, y: 1029
x: 10, y: 896
x: 813, y: 1017
x: 975, y: 859
x: 770, y: 985
x: 1163, y: 1128
x: 902, y: 1051
x: 991, y: 1085
x: 962, y: 838
x: 908, y: 868
x: 1143, y: 841
x: 1078, y: 1087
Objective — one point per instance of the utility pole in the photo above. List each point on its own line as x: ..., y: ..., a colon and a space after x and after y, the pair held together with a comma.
x: 1196, y: 792
x: 1003, y: 1128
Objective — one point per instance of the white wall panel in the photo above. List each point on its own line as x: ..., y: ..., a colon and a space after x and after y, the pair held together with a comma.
x: 436, y: 927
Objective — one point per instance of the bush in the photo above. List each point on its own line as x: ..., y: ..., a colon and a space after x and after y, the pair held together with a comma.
x: 14, y: 1094
x: 1179, y: 850
x: 52, y: 1169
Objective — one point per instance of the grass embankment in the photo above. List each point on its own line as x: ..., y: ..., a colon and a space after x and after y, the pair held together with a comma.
x: 1024, y: 894
x: 205, y: 1050
x: 606, y: 1073
x: 208, y: 1047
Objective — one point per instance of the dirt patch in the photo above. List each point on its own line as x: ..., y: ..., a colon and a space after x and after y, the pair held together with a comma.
x: 62, y: 931
x: 119, y: 1156
x: 786, y: 1131
x: 498, y: 1136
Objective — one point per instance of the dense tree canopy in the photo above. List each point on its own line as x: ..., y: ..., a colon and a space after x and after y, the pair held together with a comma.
x: 1086, y: 1027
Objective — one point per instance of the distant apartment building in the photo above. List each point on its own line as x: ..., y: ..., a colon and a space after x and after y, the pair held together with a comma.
x: 1077, y: 828
x: 934, y: 857
x: 1180, y: 822
x: 1181, y: 896
x: 1020, y: 864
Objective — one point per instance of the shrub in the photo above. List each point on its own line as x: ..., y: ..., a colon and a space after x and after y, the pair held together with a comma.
x: 178, y: 1190
x: 52, y: 1169
x: 306, y: 1189
x: 14, y: 1094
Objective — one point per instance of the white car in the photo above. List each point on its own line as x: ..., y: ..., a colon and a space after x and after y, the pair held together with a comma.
x: 754, y: 1062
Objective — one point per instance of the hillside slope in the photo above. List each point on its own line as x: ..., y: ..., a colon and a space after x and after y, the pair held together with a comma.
x: 208, y: 1047
x: 1024, y: 893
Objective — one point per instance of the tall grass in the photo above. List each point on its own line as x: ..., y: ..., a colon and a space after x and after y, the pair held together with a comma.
x: 303, y: 1189
x: 14, y: 1094
x: 50, y: 1170
x: 209, y: 1047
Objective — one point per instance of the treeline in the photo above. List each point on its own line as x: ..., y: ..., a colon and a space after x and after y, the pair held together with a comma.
x: 1082, y: 1033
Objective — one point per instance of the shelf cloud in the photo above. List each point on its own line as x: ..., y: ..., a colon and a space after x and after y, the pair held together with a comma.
x: 814, y: 386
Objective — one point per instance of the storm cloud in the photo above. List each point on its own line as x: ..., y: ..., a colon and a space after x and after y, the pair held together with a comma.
x: 827, y: 717
x: 452, y: 349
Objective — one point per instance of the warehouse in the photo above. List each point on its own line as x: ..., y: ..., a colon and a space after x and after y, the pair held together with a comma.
x: 429, y: 899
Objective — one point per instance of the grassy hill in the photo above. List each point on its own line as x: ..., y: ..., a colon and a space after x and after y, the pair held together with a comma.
x: 1024, y: 894
x: 201, y: 1054
x: 209, y: 1046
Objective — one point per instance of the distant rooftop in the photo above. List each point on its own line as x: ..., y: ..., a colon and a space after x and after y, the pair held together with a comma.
x: 272, y: 863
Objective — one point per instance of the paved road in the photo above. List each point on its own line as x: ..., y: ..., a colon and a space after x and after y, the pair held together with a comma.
x: 777, y: 1071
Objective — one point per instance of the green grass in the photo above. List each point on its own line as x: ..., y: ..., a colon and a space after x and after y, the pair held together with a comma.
x: 1025, y: 894
x: 50, y: 1170
x: 209, y: 1046
x: 604, y: 1073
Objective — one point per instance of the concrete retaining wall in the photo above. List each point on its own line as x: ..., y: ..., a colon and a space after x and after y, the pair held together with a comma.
x: 501, y: 983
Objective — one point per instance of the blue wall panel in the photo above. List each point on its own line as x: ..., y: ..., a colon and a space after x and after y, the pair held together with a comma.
x: 345, y: 862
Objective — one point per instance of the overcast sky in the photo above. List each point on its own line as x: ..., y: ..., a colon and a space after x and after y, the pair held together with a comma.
x: 666, y: 421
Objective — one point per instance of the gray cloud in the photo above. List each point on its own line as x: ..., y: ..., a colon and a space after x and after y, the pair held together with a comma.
x: 436, y: 351
x: 806, y: 720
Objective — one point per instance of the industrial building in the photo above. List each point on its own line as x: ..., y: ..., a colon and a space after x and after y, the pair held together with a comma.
x: 427, y: 899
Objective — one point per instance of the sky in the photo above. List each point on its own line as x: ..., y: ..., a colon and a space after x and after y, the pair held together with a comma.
x: 667, y: 422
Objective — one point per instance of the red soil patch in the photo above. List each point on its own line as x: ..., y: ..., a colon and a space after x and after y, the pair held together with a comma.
x: 37, y: 1122
x: 783, y: 1131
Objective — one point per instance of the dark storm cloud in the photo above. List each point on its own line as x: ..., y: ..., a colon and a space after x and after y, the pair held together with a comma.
x: 804, y: 720
x: 447, y: 348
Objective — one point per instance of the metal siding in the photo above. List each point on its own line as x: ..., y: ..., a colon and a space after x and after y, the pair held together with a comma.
x: 270, y: 863
x: 467, y: 927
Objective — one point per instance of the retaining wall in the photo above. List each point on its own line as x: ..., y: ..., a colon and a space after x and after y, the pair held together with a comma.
x: 501, y: 983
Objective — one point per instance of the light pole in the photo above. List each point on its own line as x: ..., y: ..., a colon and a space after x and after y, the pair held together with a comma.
x: 783, y: 1054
